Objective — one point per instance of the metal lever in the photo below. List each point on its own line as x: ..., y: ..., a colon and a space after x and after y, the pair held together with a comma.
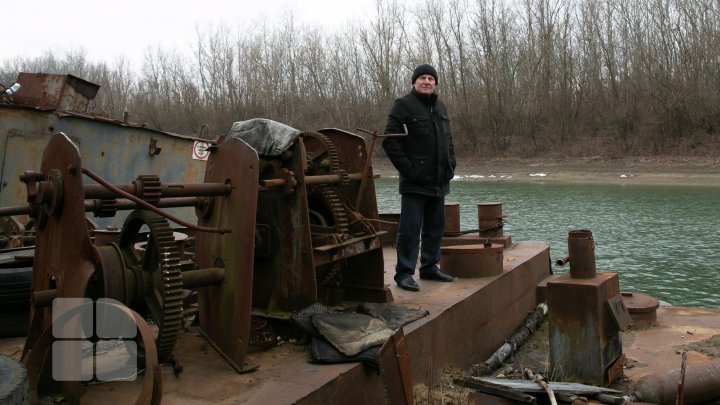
x: 366, y: 168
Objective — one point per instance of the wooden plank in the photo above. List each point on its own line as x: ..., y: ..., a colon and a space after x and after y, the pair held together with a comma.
x: 558, y: 387
x: 495, y: 389
x: 479, y: 398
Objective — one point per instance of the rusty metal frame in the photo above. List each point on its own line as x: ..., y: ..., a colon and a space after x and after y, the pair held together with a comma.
x: 65, y: 260
x: 225, y: 309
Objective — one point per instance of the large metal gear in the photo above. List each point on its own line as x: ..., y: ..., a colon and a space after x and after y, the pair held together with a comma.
x: 156, y: 288
x: 322, y: 157
x: 337, y: 211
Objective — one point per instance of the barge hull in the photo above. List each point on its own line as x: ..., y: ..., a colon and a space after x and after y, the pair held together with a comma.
x: 468, y: 320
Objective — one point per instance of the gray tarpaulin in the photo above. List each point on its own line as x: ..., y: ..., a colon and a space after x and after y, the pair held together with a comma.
x: 339, y: 337
x: 351, y: 333
x: 267, y: 137
x: 324, y: 352
x: 394, y: 316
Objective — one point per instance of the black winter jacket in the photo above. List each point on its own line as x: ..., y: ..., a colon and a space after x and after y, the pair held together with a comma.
x: 425, y: 158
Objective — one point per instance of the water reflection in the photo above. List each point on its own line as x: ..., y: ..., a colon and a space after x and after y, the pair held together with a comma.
x: 662, y: 240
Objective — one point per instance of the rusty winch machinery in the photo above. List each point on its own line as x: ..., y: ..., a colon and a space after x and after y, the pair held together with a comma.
x: 317, y: 237
x: 143, y: 270
x: 273, y: 234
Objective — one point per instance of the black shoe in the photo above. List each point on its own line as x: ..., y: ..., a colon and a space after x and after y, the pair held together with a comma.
x: 436, y: 275
x: 408, y: 283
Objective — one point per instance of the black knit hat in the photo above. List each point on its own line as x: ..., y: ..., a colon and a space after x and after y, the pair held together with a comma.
x: 424, y: 69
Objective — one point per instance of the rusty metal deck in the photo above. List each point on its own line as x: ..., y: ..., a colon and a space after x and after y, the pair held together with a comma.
x: 468, y: 320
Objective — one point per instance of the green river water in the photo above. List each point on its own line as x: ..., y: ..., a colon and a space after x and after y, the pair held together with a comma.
x: 662, y: 240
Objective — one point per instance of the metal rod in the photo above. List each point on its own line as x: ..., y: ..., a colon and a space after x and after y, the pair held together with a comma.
x: 330, y: 178
x: 92, y: 205
x: 168, y: 190
x: 203, y: 278
x: 10, y: 211
x: 44, y: 298
x: 368, y: 161
x: 151, y: 207
x: 322, y: 179
x: 123, y: 204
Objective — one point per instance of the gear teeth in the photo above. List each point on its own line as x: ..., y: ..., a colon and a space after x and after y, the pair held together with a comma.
x: 338, y: 210
x: 151, y: 188
x: 329, y: 147
x: 170, y: 286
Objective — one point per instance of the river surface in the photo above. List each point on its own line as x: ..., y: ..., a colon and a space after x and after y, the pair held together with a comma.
x: 662, y: 240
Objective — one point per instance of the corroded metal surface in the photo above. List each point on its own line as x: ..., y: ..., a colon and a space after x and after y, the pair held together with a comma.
x: 642, y: 308
x: 489, y: 217
x: 482, y: 260
x: 491, y: 221
x: 452, y: 218
x: 581, y: 250
x: 105, y: 146
x: 148, y: 280
x: 584, y: 339
x: 225, y: 309
x: 313, y: 242
x: 395, y: 369
x: 701, y: 384
x: 460, y: 312
x: 65, y: 260
x: 586, y: 315
x: 64, y: 256
x: 49, y: 91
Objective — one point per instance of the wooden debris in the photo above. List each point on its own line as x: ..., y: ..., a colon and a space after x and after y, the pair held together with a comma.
x: 558, y: 387
x: 530, y: 324
x: 495, y: 389
x: 523, y: 390
x: 538, y: 378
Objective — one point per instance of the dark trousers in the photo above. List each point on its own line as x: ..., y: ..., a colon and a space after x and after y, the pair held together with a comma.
x: 421, y: 217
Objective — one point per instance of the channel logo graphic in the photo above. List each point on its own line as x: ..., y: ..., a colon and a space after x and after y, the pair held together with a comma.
x: 93, y: 340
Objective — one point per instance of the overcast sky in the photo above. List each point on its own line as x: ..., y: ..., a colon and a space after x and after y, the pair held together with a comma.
x: 107, y: 30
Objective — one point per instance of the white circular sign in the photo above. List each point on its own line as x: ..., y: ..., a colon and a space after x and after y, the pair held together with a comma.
x: 200, y: 150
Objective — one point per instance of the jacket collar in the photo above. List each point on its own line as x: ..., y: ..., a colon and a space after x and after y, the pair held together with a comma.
x: 430, y: 99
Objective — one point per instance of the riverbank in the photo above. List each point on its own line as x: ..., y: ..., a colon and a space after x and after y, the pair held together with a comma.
x: 676, y: 171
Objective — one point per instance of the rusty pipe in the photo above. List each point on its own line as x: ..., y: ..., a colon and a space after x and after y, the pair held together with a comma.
x: 581, y: 249
x: 203, y: 278
x: 43, y: 299
x: 701, y: 384
x: 11, y: 211
x: 191, y: 279
x: 151, y: 207
x: 331, y: 178
x: 93, y: 191
x: 322, y: 179
x: 93, y: 205
x: 562, y: 261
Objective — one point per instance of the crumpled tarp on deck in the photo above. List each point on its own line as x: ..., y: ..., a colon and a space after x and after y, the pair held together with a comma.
x: 343, y: 337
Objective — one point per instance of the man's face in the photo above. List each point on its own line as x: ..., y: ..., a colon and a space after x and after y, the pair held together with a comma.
x: 425, y: 84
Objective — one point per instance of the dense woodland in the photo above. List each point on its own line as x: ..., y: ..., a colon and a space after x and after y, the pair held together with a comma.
x: 602, y: 78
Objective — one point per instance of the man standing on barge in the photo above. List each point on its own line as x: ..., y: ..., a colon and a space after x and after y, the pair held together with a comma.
x: 425, y: 159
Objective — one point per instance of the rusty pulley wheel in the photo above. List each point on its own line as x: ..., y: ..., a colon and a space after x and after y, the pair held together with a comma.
x: 156, y: 284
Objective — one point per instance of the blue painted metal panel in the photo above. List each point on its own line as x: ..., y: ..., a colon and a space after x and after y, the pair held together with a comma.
x: 117, y: 152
